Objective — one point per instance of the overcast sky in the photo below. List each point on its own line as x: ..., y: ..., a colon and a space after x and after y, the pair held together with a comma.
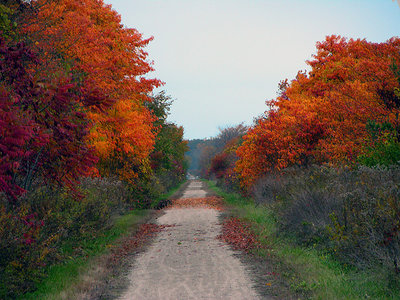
x: 221, y: 59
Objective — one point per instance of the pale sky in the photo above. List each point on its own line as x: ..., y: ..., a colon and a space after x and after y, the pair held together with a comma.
x: 221, y: 59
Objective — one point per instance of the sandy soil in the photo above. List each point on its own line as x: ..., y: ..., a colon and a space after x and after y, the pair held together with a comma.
x: 187, y: 261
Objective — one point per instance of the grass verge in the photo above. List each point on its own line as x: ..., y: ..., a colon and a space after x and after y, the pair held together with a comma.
x: 308, y: 273
x: 65, y: 276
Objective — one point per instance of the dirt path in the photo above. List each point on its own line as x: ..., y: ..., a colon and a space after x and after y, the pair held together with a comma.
x: 187, y: 261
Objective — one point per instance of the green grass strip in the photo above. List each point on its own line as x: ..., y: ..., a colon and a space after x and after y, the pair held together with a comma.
x: 63, y: 276
x: 309, y: 272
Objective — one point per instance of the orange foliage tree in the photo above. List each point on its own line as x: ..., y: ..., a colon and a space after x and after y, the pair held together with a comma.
x: 321, y: 116
x: 108, y: 61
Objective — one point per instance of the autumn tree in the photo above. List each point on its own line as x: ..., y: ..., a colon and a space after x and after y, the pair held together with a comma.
x: 108, y: 62
x: 205, y: 150
x: 217, y: 155
x: 84, y: 54
x: 42, y: 128
x: 321, y: 116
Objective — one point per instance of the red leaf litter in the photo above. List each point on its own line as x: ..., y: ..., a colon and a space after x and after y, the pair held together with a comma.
x: 136, y: 240
x: 239, y: 235
x: 207, y: 202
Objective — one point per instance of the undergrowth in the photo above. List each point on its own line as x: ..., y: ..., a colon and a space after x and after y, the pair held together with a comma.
x: 309, y: 272
x: 84, y: 240
x: 80, y: 255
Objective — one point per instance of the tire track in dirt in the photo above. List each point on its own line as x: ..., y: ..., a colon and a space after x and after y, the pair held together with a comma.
x: 187, y: 261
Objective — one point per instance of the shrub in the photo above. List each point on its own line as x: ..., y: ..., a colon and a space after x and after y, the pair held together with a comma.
x: 32, y: 235
x: 353, y: 213
x: 367, y: 229
x: 24, y: 250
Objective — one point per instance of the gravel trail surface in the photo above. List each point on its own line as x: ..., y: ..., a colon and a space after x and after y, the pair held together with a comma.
x: 187, y: 261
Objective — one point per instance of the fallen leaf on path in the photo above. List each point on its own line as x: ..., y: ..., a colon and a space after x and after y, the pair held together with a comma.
x: 206, y: 202
x: 239, y: 235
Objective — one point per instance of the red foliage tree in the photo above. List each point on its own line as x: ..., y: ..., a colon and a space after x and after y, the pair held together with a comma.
x: 42, y: 126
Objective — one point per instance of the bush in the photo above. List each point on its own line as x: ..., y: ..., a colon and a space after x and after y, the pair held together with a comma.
x: 32, y: 235
x: 367, y: 229
x: 48, y: 223
x: 353, y: 213
x: 304, y: 201
x: 24, y: 250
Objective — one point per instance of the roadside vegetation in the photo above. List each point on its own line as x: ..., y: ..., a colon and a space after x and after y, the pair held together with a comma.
x: 307, y: 271
x: 83, y: 140
x: 320, y: 173
x: 79, y: 256
x: 85, y: 258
